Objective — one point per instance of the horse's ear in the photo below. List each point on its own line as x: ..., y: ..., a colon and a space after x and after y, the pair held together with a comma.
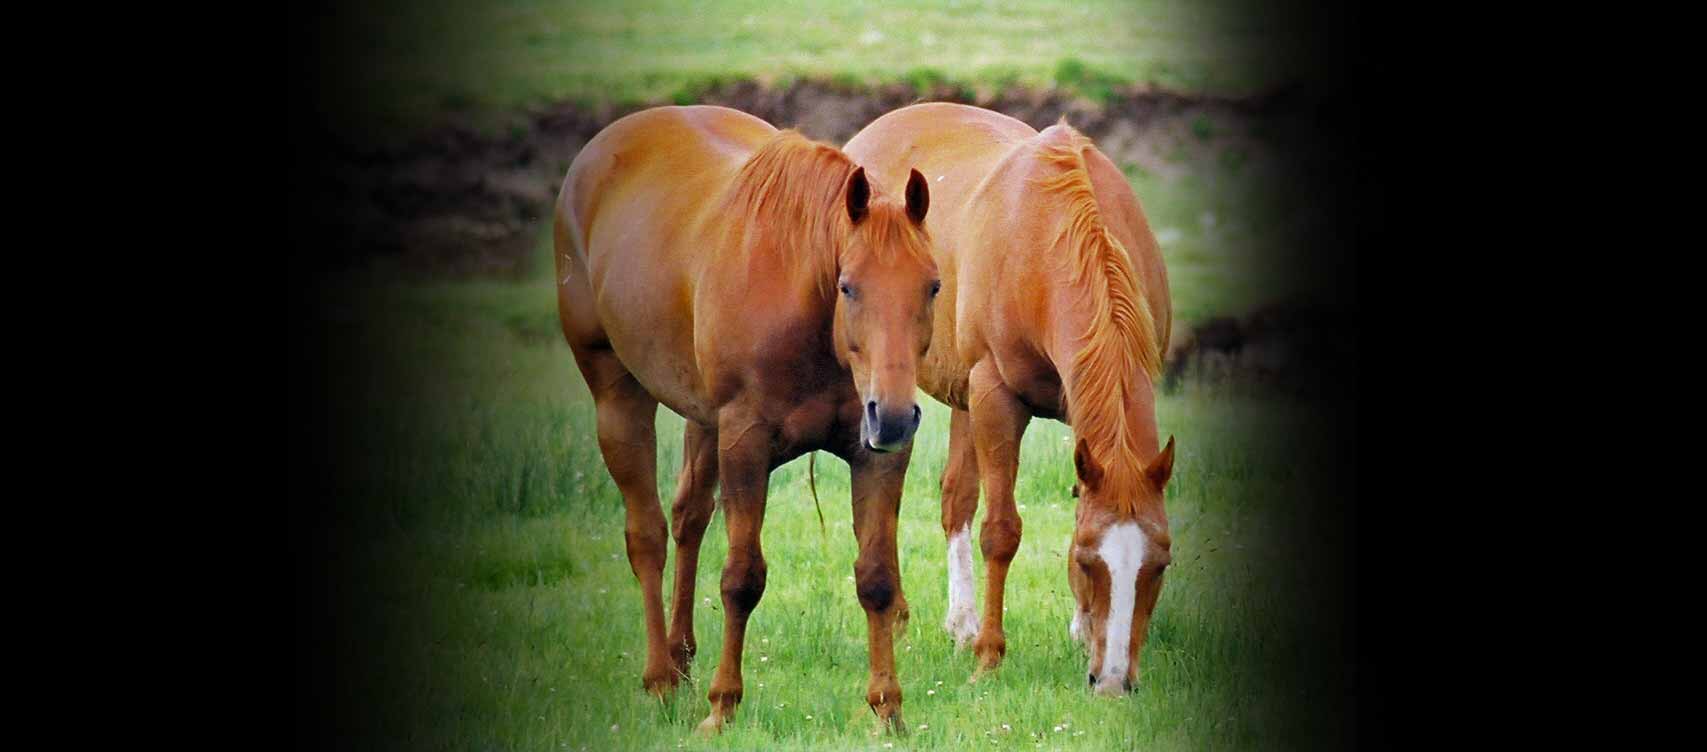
x: 918, y: 197
x: 1089, y: 471
x: 859, y: 195
x: 1162, y: 467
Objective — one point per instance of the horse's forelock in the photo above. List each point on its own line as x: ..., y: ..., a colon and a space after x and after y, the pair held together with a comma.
x: 888, y: 230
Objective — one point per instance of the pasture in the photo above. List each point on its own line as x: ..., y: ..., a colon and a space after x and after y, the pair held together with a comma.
x: 482, y: 597
x: 498, y: 609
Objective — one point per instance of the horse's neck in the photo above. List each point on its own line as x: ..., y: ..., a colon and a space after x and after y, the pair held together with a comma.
x: 1133, y: 394
x: 773, y: 249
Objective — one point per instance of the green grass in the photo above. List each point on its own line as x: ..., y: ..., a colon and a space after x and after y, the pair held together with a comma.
x: 1231, y: 236
x: 489, y: 596
x: 403, y: 61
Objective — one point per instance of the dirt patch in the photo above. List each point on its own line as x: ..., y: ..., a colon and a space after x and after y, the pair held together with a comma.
x: 462, y: 200
x: 1300, y: 347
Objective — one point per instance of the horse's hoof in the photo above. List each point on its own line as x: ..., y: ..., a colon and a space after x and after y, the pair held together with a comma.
x: 962, y: 625
x: 988, y: 661
x: 890, y: 726
x: 661, y: 683
x: 681, y: 657
x: 710, y: 727
x: 963, y: 633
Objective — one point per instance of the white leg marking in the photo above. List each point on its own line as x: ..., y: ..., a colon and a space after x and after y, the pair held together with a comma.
x: 1122, y: 550
x: 962, y: 620
x: 1076, y: 630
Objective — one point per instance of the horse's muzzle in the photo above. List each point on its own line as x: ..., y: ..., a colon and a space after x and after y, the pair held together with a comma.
x: 888, y: 430
x: 1109, y: 688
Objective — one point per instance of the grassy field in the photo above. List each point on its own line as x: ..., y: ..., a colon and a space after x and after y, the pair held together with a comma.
x: 401, y: 60
x: 483, y: 600
x: 495, y: 609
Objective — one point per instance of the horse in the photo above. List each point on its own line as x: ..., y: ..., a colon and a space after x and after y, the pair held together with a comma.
x: 1055, y: 305
x: 761, y: 286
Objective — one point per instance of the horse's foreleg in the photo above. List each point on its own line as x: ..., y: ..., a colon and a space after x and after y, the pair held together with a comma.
x: 743, y: 458
x: 689, y: 515
x: 999, y: 420
x: 877, y: 482
x: 959, y: 504
x: 629, y: 445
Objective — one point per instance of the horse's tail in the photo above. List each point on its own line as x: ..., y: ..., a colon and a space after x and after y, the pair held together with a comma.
x: 812, y: 482
x: 570, y: 227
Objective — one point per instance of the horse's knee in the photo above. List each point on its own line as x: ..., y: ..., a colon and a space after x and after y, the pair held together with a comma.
x: 950, y: 482
x: 876, y: 585
x: 999, y: 538
x: 646, y: 546
x: 688, y: 518
x: 743, y: 583
x: 959, y: 503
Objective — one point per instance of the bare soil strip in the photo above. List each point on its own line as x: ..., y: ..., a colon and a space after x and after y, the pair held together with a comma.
x: 461, y: 200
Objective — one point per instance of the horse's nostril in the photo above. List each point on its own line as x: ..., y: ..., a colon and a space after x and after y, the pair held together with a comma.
x: 917, y: 414
x: 871, y: 411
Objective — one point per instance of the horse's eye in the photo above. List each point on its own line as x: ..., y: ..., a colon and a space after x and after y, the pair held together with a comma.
x: 936, y: 287
x: 846, y: 290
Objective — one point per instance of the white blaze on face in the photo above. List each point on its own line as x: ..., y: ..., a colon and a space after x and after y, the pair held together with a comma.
x: 1122, y: 551
x: 962, y: 620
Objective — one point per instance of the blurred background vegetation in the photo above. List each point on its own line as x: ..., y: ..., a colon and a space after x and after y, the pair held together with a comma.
x: 400, y: 63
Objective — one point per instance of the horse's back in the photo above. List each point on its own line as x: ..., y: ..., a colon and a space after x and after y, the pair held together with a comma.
x: 950, y: 144
x: 665, y: 155
x: 994, y: 231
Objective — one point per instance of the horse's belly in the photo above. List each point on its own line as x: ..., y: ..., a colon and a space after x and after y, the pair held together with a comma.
x: 664, y: 368
x: 812, y: 423
x: 1038, y: 386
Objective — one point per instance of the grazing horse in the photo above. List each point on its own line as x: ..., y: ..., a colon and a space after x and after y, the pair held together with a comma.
x: 738, y: 274
x: 1055, y: 305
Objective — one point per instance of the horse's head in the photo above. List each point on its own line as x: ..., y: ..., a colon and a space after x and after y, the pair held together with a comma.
x: 886, y: 284
x: 1120, y: 549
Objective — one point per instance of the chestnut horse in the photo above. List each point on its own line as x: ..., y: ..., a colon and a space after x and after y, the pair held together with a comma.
x: 1055, y: 305
x: 738, y: 274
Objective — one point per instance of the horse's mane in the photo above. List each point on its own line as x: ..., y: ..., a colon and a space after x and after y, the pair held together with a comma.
x: 792, y: 191
x: 1122, y: 337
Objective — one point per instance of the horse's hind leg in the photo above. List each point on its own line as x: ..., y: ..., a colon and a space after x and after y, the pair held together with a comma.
x: 689, y: 515
x: 630, y: 448
x: 877, y: 574
x: 959, y: 504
